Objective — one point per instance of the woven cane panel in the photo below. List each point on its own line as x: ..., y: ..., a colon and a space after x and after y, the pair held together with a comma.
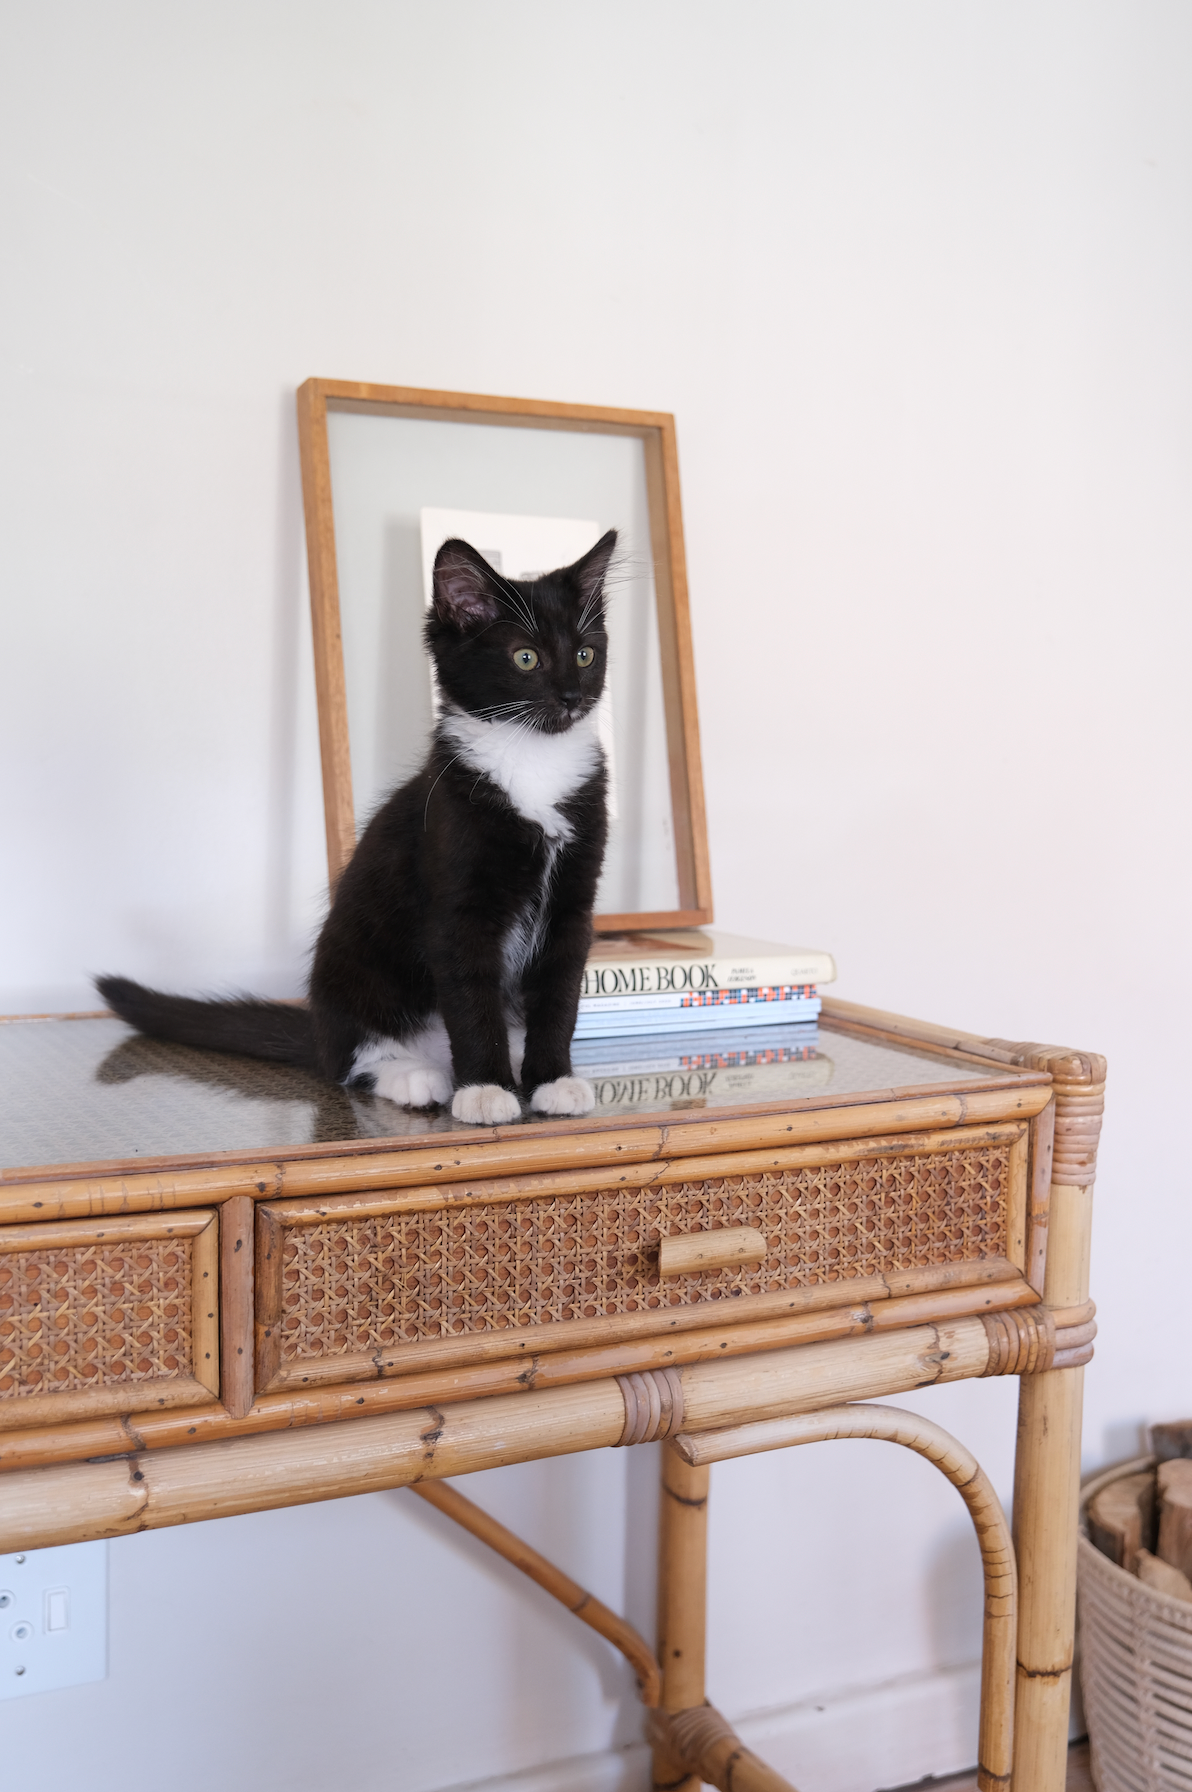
x: 94, y: 1316
x: 367, y: 1284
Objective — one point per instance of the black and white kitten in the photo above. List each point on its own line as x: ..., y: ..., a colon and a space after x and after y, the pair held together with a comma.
x: 449, y: 966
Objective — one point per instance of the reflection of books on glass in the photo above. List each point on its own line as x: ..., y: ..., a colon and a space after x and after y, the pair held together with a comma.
x: 710, y: 1088
x: 519, y: 547
x: 704, y: 1069
x: 733, y: 1050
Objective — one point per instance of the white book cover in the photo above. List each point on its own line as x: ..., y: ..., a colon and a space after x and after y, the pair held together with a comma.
x: 703, y: 958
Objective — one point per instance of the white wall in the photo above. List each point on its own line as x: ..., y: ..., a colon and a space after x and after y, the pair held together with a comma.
x: 915, y: 279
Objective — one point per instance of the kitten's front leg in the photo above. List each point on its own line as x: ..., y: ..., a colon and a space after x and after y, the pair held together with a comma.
x: 472, y: 1004
x: 551, y: 993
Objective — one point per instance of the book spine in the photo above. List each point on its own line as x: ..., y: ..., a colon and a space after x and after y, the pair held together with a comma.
x: 737, y: 998
x: 664, y: 976
x: 695, y: 1020
x: 695, y: 998
x: 700, y: 1061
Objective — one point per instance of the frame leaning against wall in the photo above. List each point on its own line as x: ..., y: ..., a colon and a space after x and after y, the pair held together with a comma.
x: 656, y: 431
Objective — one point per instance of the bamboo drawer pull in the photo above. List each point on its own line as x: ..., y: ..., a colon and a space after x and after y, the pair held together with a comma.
x: 693, y: 1251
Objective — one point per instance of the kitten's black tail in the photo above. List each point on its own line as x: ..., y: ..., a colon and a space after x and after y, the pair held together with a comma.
x: 274, y: 1030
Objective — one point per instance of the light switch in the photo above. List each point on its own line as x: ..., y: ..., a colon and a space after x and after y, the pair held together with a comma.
x: 53, y: 1618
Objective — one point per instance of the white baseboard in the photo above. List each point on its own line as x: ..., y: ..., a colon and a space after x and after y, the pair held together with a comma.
x: 615, y: 1770
x: 853, y: 1741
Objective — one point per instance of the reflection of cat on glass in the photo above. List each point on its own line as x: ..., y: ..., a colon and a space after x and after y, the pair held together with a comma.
x: 459, y: 930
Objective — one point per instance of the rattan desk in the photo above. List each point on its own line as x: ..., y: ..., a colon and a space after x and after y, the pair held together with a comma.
x: 226, y: 1287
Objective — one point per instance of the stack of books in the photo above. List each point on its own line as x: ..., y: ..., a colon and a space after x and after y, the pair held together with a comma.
x: 696, y: 995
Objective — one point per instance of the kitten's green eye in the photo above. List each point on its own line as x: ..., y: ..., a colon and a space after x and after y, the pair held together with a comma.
x: 525, y: 659
x: 584, y: 657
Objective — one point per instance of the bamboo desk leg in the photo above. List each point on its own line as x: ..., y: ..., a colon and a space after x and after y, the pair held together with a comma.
x: 1047, y: 1464
x: 682, y: 1597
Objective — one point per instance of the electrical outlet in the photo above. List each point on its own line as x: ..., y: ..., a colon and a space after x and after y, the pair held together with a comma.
x: 53, y: 1618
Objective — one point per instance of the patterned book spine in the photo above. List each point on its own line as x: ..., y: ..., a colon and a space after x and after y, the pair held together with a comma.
x: 732, y: 998
x: 697, y: 998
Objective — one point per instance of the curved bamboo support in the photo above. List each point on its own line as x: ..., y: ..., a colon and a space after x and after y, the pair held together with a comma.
x: 580, y: 1603
x: 888, y: 1424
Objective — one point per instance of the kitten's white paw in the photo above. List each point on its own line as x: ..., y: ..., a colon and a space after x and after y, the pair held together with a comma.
x: 566, y: 1095
x: 412, y: 1085
x: 486, y: 1104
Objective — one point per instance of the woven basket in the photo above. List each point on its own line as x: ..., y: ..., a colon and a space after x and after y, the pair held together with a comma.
x: 1135, y: 1669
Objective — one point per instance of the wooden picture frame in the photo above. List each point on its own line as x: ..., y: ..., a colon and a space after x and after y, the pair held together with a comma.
x: 656, y: 431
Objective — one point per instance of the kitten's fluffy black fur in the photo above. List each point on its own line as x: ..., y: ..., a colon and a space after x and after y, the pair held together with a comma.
x: 470, y: 893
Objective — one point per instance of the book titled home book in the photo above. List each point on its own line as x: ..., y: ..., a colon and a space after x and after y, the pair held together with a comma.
x: 643, y: 964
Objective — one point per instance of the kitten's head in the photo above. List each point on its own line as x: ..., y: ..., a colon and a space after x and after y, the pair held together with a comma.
x: 528, y: 650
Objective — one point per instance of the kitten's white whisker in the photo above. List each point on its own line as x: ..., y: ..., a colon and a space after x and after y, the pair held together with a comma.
x: 589, y: 610
x: 518, y: 603
x: 520, y: 612
x: 434, y: 786
x: 526, y: 599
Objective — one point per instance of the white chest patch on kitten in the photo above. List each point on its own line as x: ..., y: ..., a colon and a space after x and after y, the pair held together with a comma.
x: 525, y: 936
x: 536, y: 771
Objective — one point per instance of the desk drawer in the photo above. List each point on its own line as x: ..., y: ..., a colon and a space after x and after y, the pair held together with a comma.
x: 107, y: 1316
x: 351, y: 1288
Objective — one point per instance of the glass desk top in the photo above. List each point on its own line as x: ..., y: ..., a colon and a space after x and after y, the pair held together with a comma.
x: 75, y: 1091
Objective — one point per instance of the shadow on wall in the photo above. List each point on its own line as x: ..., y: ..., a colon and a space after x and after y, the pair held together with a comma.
x: 643, y: 1468
x: 954, y: 1595
x: 549, y: 1508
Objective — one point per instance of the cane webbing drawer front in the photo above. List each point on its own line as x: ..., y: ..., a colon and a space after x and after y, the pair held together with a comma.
x: 341, y: 1286
x: 107, y: 1316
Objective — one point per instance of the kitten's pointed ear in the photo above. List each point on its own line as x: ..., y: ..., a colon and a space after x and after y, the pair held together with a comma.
x: 589, y: 572
x: 464, y: 589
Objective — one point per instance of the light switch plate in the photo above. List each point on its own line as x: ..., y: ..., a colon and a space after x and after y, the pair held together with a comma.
x: 53, y: 1618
